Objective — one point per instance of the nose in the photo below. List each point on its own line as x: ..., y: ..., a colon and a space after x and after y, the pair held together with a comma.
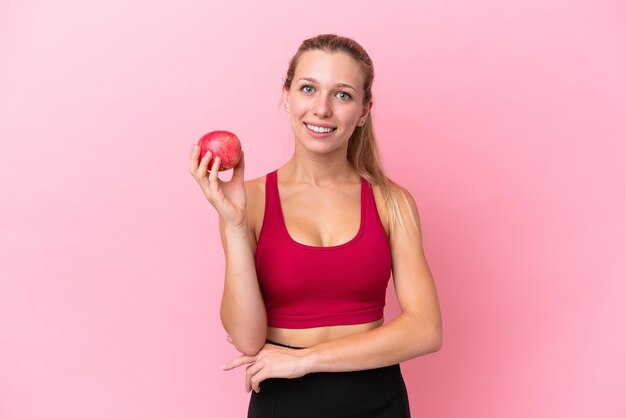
x: 321, y: 106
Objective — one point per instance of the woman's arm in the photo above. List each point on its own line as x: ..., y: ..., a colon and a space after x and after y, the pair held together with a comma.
x: 242, y: 310
x: 417, y: 331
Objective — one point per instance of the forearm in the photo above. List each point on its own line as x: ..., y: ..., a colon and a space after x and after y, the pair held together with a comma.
x: 242, y: 311
x: 401, y: 339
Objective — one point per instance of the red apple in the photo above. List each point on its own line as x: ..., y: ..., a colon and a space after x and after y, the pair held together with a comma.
x: 222, y: 144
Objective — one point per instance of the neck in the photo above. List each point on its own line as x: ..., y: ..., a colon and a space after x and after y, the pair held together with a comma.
x: 319, y: 169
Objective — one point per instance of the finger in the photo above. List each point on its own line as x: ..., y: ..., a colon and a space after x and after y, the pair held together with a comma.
x: 239, y: 169
x: 243, y: 359
x: 255, y: 382
x: 252, y: 370
x: 213, y: 179
x: 202, y: 168
x: 193, y: 159
x: 215, y: 168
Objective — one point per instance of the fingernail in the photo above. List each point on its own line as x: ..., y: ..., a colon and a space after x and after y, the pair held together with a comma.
x: 223, y: 366
x: 193, y: 146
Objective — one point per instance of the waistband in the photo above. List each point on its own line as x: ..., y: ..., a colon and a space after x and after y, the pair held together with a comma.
x: 283, y: 345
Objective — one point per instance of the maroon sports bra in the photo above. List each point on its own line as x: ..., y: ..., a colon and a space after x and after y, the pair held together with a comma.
x: 308, y: 286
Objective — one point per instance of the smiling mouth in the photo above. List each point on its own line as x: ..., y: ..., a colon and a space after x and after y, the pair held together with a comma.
x: 319, y: 129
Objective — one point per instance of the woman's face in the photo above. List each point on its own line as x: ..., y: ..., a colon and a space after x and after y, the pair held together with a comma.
x: 325, y: 101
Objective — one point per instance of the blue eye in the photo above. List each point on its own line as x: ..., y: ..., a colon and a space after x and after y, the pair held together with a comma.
x: 345, y: 96
x: 307, y: 89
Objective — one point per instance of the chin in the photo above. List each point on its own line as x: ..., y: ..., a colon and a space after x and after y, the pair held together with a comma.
x: 321, y: 147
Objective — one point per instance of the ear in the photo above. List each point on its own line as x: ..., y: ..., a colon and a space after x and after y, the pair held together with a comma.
x: 285, y: 100
x: 366, y: 110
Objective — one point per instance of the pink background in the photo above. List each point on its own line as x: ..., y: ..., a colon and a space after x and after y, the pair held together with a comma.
x: 505, y: 120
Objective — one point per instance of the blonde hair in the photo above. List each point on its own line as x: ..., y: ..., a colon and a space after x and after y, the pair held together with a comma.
x: 363, y: 152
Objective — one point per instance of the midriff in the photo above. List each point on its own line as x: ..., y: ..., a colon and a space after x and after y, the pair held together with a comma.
x: 308, y: 337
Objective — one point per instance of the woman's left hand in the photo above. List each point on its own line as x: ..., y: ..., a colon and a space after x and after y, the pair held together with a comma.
x: 271, y: 361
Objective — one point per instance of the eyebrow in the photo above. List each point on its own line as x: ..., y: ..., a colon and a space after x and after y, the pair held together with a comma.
x: 312, y: 80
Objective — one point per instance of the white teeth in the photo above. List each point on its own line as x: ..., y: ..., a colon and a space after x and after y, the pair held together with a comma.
x: 319, y: 129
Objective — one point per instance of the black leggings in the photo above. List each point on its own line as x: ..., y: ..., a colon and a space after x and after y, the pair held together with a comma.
x: 372, y: 393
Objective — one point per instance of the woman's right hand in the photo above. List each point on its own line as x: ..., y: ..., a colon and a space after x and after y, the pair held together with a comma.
x: 227, y: 197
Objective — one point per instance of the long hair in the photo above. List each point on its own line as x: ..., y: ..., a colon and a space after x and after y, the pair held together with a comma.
x: 363, y: 152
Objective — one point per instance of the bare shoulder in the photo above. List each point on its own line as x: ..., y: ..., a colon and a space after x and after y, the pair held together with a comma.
x: 408, y: 208
x: 406, y: 202
x: 255, y: 195
x: 256, y: 185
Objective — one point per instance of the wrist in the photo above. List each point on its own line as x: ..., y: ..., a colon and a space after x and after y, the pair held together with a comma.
x: 310, y: 360
x: 238, y: 228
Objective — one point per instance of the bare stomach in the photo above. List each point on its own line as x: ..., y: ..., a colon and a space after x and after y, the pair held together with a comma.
x: 308, y: 337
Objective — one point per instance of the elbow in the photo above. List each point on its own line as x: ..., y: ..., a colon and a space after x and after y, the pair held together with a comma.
x: 249, y: 348
x: 436, y: 337
x: 249, y: 344
x: 426, y: 344
x: 428, y: 339
x: 434, y: 334
x: 430, y: 343
x: 426, y: 336
x: 248, y: 339
x: 436, y: 343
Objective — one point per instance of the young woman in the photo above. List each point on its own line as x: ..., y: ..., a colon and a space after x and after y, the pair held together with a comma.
x: 310, y: 248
